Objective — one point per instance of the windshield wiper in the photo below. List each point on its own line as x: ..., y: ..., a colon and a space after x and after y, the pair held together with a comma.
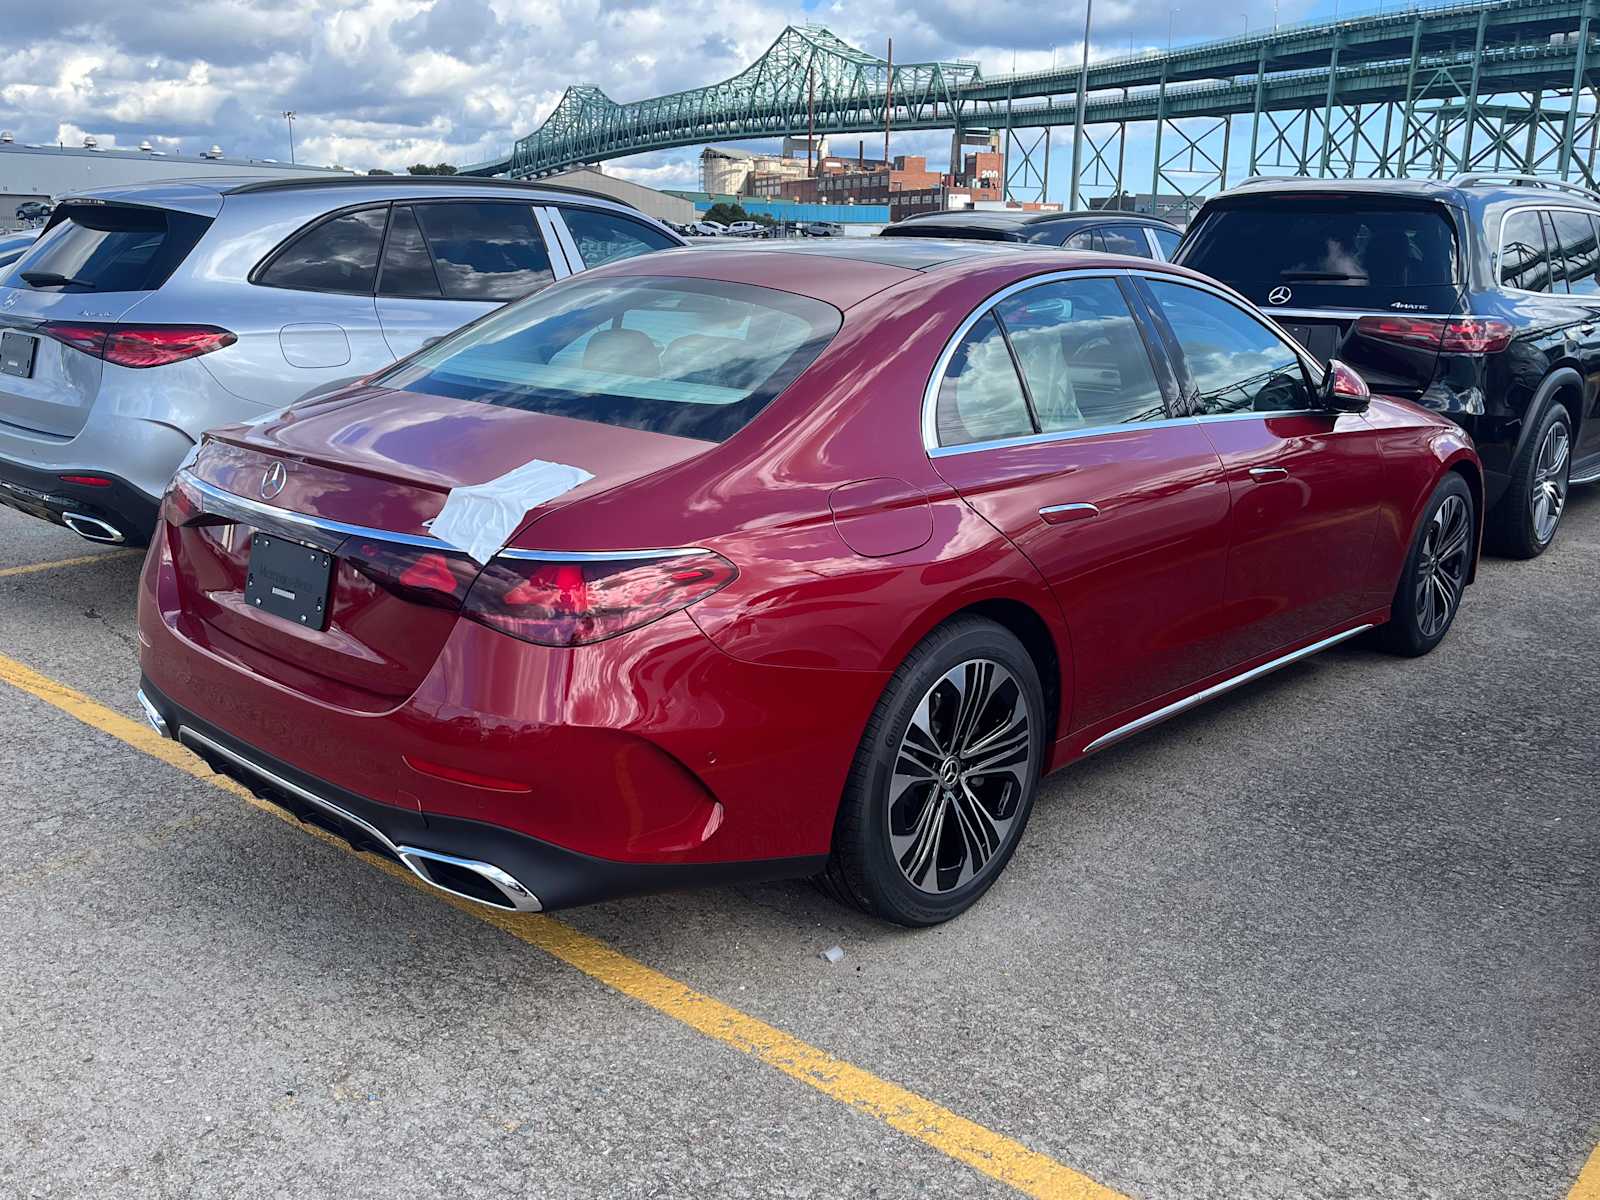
x: 1307, y: 275
x: 55, y: 279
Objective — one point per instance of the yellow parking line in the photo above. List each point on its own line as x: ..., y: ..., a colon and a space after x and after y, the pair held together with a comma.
x: 1588, y: 1185
x: 994, y: 1154
x: 103, y: 556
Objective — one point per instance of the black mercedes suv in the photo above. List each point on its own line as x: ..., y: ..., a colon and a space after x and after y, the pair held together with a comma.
x: 1478, y: 298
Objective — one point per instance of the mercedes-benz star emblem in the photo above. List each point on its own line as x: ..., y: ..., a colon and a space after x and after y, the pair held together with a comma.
x: 1279, y: 295
x: 272, y: 482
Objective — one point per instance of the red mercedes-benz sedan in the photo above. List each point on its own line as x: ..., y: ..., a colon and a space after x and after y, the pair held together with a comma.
x: 787, y: 561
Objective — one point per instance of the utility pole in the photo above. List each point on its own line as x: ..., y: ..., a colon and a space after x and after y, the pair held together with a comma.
x: 1077, y: 116
x: 289, y: 115
x: 888, y: 105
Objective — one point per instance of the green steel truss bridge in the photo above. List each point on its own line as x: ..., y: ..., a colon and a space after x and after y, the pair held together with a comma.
x: 1488, y: 85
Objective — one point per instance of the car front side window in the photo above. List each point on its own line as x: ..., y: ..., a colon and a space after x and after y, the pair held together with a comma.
x: 1237, y: 364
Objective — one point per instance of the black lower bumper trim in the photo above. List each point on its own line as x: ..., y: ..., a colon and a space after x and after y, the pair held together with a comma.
x: 45, y: 495
x: 559, y: 877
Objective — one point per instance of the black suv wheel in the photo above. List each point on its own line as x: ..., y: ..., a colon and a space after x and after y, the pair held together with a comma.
x: 1528, y: 515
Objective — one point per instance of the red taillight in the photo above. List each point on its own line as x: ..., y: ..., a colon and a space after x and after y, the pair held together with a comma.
x: 574, y: 603
x: 1457, y: 335
x: 139, y: 345
x: 411, y: 572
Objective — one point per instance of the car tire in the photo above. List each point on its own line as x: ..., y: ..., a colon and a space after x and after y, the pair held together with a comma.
x: 1438, y: 564
x: 940, y: 792
x: 1526, y: 519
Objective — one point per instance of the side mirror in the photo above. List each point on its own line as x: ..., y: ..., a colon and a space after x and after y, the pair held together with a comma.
x: 1343, y: 390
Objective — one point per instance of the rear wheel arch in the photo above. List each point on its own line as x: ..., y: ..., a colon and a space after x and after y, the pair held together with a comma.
x: 1473, y: 474
x: 1563, y: 386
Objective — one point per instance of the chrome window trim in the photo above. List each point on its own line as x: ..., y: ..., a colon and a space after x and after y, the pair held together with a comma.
x: 930, y: 395
x: 561, y: 236
x: 1155, y: 246
x: 1500, y: 246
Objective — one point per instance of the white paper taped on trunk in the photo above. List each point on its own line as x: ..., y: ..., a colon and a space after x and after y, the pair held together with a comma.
x: 482, y: 517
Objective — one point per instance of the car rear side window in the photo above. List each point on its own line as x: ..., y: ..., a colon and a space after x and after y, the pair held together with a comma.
x: 981, y: 397
x: 336, y: 255
x: 1082, y: 357
x: 407, y: 265
x: 1339, y: 241
x: 486, y: 250
x: 688, y: 357
x: 604, y: 237
x: 1236, y: 363
x: 1167, y: 239
x: 1125, y: 239
x: 1084, y: 239
x: 1524, y: 258
x: 1574, y: 255
x: 108, y: 248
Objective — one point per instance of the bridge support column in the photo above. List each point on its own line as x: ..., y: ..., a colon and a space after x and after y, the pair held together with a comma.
x: 1579, y: 70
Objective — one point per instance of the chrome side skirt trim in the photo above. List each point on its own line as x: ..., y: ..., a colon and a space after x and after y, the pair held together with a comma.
x: 517, y: 897
x: 1217, y: 689
x: 1582, y: 479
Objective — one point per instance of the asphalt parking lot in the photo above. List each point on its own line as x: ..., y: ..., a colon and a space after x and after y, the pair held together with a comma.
x: 1336, y: 935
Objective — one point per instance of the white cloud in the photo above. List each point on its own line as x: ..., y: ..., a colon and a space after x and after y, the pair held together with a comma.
x: 386, y: 83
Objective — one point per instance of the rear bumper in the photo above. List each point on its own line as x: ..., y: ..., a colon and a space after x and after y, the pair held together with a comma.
x: 475, y: 860
x: 118, y: 513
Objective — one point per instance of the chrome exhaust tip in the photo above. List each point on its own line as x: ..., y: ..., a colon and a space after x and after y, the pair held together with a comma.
x: 457, y: 875
x: 152, y: 714
x: 92, y: 528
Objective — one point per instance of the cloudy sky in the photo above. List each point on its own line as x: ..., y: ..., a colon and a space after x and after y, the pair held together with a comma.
x: 386, y: 83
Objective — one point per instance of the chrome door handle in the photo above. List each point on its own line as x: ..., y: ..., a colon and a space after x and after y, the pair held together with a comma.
x: 1267, y: 472
x: 1060, y: 514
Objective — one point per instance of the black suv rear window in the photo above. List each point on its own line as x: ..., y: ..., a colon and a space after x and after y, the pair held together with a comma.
x: 689, y: 357
x: 108, y: 248
x: 1345, y: 241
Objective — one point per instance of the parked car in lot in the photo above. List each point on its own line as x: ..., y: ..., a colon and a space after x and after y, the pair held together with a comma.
x: 147, y: 314
x: 13, y: 245
x: 33, y: 210
x: 747, y: 229
x: 1478, y: 298
x: 708, y: 229
x: 1104, y: 232
x: 804, y: 558
x: 822, y: 229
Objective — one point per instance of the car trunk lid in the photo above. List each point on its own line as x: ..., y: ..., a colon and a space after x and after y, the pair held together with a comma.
x: 358, y: 480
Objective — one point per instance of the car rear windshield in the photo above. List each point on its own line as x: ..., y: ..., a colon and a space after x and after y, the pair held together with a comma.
x: 1335, y: 241
x: 108, y: 248
x: 688, y: 357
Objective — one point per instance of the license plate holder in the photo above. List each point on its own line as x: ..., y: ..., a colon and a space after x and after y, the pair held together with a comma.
x: 17, y: 352
x: 289, y: 580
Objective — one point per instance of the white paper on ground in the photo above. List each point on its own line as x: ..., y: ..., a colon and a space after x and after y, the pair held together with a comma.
x: 479, y: 518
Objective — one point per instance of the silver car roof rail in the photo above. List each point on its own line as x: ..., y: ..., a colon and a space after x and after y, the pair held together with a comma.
x: 1472, y: 178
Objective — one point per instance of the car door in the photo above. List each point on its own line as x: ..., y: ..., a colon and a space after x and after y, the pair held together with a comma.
x: 1306, y: 483
x: 318, y: 325
x: 448, y: 262
x: 1049, y: 420
x: 1575, y: 259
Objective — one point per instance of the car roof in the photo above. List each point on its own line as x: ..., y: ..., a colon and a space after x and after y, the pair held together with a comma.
x: 845, y: 271
x: 380, y: 187
x: 1012, y: 219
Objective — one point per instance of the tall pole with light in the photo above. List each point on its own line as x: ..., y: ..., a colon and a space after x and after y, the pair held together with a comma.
x: 1077, y: 116
x: 289, y: 115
